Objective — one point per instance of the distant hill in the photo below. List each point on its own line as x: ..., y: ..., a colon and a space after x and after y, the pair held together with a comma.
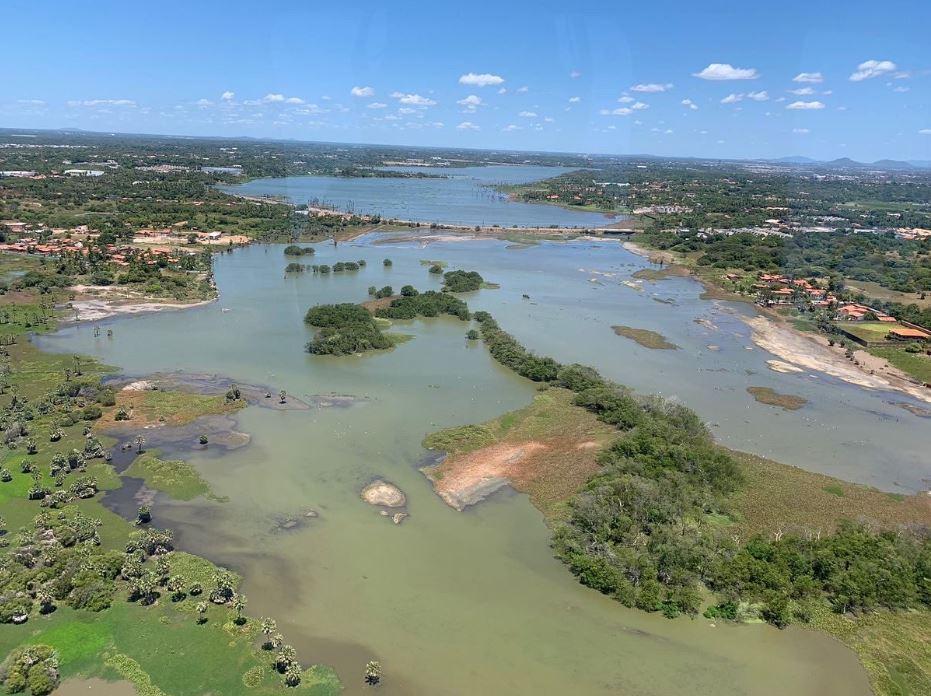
x: 846, y: 162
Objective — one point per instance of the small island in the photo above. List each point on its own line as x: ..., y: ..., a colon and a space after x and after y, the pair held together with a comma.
x: 770, y: 397
x: 645, y: 337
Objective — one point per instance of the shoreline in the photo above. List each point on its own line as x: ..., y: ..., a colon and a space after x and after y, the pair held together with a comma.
x: 799, y: 351
x: 99, y: 310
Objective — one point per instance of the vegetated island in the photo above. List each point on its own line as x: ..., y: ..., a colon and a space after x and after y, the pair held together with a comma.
x: 645, y: 338
x: 660, y: 517
x: 770, y: 397
x: 84, y: 592
x: 349, y: 328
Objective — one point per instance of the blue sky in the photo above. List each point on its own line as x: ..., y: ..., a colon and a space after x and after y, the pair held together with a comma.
x: 823, y: 79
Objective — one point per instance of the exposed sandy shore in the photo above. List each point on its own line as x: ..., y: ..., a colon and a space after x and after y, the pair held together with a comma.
x: 814, y: 353
x: 95, y: 310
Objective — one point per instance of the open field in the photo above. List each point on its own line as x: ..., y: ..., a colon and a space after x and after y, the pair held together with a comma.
x: 918, y: 365
x: 871, y: 331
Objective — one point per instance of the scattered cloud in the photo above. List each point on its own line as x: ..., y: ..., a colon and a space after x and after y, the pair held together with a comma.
x: 575, y: 74
x: 801, y: 131
x: 271, y: 98
x: 813, y: 77
x: 228, y: 95
x: 726, y: 71
x: 412, y: 99
x: 362, y: 92
x: 805, y: 105
x: 626, y: 99
x: 575, y: 100
x: 377, y: 105
x: 468, y: 125
x: 527, y: 114
x: 103, y: 102
x: 625, y: 110
x: 511, y: 127
x: 523, y: 89
x: 872, y: 68
x: 203, y: 103
x: 760, y: 96
x: 294, y: 100
x: 901, y: 88
x: 690, y: 104
x: 31, y: 102
x: 480, y: 80
x: 503, y: 90
x: 732, y: 98
x: 472, y: 100
x: 802, y: 91
x: 651, y: 87
x: 925, y: 131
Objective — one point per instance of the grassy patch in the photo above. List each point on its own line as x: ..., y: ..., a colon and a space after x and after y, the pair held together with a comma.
x: 770, y: 397
x: 171, y: 407
x: 645, y: 338
x: 781, y: 497
x: 177, y: 479
x: 572, y: 438
x: 894, y: 648
x: 872, y: 331
x: 916, y: 365
x: 655, y: 274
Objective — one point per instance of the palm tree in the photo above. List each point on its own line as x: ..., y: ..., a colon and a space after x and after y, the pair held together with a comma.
x: 372, y: 673
x: 269, y: 629
x: 202, y: 612
x: 292, y: 675
x: 286, y: 657
x: 239, y: 604
x: 282, y: 396
x: 140, y: 441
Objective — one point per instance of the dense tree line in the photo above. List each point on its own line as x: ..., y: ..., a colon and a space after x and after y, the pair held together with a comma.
x: 426, y: 304
x: 647, y: 529
x: 344, y: 329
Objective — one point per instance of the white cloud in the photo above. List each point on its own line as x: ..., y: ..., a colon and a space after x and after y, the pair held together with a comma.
x: 511, y: 127
x: 575, y: 74
x: 620, y: 111
x: 689, y: 103
x: 814, y: 77
x: 472, y: 100
x: 651, y: 87
x: 726, y: 71
x: 575, y: 100
x: 732, y: 98
x: 801, y: 131
x: 625, y: 99
x: 549, y: 119
x: 480, y: 80
x: 872, y: 68
x: 901, y: 88
x: 406, y: 110
x: 362, y: 92
x: 294, y: 100
x: 227, y: 95
x: 467, y: 125
x: 925, y: 131
x: 204, y: 103
x: 758, y: 96
x: 639, y: 106
x: 805, y: 105
x: 31, y: 102
x: 802, y: 91
x: 376, y: 105
x: 270, y: 98
x: 527, y: 114
x: 523, y: 89
x: 503, y: 90
x: 412, y: 99
x: 103, y: 102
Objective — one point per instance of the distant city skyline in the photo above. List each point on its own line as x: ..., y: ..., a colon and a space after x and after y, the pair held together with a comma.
x: 672, y: 79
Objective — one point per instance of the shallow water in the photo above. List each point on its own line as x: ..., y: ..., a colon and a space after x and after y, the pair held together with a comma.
x: 455, y: 603
x: 462, y: 197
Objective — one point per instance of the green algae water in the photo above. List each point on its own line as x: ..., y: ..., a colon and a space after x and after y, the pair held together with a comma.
x: 472, y: 602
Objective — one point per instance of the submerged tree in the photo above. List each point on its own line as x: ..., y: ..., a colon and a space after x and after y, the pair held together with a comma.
x: 372, y: 673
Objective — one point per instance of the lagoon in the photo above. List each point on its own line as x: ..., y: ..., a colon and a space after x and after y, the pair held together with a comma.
x: 452, y: 602
x: 455, y: 196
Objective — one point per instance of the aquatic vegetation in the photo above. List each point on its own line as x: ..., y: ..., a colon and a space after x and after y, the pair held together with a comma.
x: 295, y: 250
x: 645, y: 337
x: 462, y: 281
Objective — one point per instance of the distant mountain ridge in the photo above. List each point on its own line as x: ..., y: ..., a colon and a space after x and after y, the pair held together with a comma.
x: 852, y: 164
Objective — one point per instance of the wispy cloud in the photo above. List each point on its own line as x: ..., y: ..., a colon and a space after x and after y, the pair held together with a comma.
x: 575, y: 100
x: 925, y: 131
x: 31, y: 102
x: 813, y: 77
x: 575, y: 74
x: 805, y: 105
x: 480, y: 79
x: 228, y: 95
x: 801, y: 131
x: 872, y: 68
x: 690, y: 104
x: 527, y: 114
x: 362, y: 92
x: 467, y: 125
x: 103, y: 102
x: 802, y: 91
x: 651, y: 87
x: 726, y: 71
x: 377, y: 105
